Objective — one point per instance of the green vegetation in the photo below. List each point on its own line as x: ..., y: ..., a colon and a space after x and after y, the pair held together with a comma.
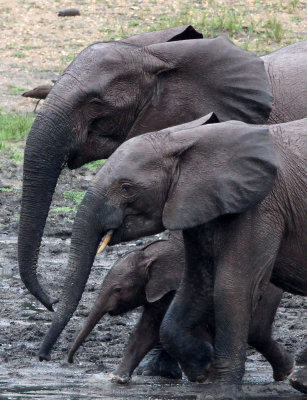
x: 19, y: 54
x: 274, y: 29
x: 14, y: 127
x: 94, y: 165
x: 9, y: 190
x: 74, y: 195
x: 64, y: 210
x: 68, y: 58
x: 16, y: 91
x: 293, y: 5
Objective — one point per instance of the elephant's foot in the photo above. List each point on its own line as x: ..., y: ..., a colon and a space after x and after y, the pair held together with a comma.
x: 122, y: 379
x: 159, y: 363
x: 221, y: 391
x: 285, y: 369
x: 299, y: 380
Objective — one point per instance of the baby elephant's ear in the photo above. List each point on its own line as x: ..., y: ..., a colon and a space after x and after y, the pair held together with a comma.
x: 227, y: 168
x: 185, y: 32
x: 164, y: 274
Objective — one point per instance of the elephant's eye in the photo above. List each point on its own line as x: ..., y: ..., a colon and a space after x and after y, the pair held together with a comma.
x: 127, y: 190
x: 117, y: 290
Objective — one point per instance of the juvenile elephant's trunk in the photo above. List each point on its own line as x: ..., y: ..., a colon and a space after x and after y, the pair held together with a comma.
x: 95, y: 315
x: 86, y: 236
x: 44, y: 156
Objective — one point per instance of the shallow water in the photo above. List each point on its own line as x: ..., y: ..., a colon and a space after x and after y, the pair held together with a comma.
x: 47, y: 381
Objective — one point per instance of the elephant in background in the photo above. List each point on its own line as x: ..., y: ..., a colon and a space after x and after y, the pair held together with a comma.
x: 149, y: 278
x: 238, y: 193
x: 113, y: 91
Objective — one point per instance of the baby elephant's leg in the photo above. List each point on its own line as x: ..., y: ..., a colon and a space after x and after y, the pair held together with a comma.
x: 299, y: 379
x: 260, y: 334
x: 143, y: 339
x: 159, y: 363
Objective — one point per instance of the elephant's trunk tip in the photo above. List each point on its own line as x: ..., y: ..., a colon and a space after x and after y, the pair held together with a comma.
x: 44, y: 356
x: 70, y: 357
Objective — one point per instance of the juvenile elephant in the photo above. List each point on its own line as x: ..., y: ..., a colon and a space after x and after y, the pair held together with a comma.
x: 238, y: 192
x: 113, y: 91
x: 149, y: 278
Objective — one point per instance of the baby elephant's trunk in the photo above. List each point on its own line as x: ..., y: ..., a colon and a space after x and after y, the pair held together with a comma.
x: 95, y: 315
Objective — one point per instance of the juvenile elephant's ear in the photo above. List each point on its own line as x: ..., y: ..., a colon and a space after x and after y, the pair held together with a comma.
x: 223, y: 169
x: 164, y: 269
x: 185, y: 32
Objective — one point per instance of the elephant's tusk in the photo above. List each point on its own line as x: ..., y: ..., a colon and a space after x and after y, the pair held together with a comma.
x: 105, y: 241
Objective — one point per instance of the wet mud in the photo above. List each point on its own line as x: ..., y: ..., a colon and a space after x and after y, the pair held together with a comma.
x: 23, y: 321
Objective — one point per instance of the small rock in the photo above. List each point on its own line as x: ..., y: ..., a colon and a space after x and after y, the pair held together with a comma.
x: 70, y: 12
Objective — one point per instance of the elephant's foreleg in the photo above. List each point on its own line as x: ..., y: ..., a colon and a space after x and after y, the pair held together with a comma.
x: 192, y: 305
x: 142, y: 340
x: 260, y: 334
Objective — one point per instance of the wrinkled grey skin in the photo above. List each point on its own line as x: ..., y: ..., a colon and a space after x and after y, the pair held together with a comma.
x: 114, y: 91
x: 149, y: 278
x: 238, y: 193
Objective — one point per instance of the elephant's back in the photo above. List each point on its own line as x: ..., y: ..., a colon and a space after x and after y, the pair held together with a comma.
x: 286, y: 70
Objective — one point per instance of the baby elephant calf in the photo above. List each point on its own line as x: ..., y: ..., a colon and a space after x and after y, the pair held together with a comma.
x: 149, y: 278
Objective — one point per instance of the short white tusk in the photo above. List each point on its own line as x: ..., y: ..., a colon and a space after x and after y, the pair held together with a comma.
x: 105, y: 241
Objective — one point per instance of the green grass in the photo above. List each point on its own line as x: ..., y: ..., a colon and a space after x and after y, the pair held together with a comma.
x: 19, y: 54
x: 67, y: 59
x: 293, y: 5
x: 14, y: 127
x: 95, y: 165
x: 74, y: 195
x: 16, y: 91
x: 9, y: 190
x: 65, y: 210
x: 274, y: 29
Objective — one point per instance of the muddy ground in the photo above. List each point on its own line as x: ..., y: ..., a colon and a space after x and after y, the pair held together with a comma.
x: 23, y: 321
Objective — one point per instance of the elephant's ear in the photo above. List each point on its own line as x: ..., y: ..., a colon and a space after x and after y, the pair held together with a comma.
x: 185, y: 32
x: 223, y: 169
x: 164, y: 269
x: 211, y: 75
x: 210, y: 118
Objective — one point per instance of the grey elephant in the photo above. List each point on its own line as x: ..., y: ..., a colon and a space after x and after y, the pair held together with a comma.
x: 113, y: 91
x: 149, y: 277
x: 238, y: 192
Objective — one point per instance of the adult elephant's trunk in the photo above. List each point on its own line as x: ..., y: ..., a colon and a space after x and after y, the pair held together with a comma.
x: 95, y: 315
x: 45, y: 151
x: 87, y: 232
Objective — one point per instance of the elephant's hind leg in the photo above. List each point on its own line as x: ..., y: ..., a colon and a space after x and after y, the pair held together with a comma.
x: 159, y: 363
x: 260, y: 334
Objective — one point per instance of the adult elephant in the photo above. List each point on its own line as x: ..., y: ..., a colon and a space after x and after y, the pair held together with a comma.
x: 116, y: 90
x: 237, y: 191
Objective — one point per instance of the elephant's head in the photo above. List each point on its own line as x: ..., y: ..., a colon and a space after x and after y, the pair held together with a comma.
x: 116, y: 90
x: 177, y: 178
x: 140, y: 277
